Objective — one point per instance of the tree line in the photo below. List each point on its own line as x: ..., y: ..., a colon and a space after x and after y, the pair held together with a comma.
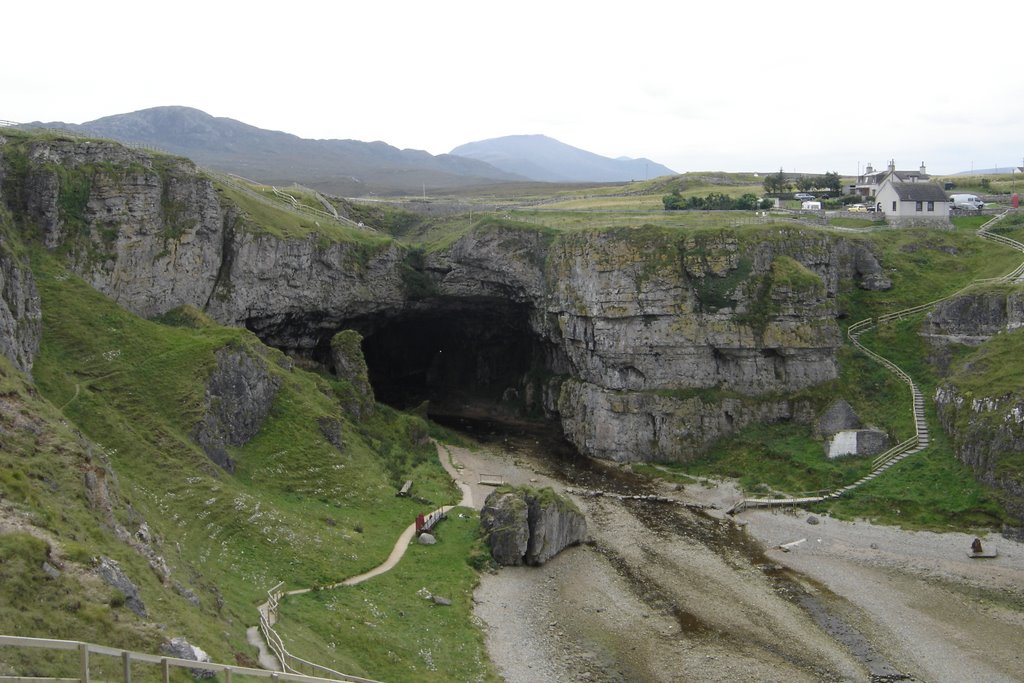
x: 715, y: 201
x: 777, y: 183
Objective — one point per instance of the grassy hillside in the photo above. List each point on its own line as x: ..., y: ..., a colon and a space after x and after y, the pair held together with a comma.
x: 117, y: 392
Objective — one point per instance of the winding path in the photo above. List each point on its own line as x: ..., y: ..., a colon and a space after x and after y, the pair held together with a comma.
x: 272, y: 653
x: 920, y: 440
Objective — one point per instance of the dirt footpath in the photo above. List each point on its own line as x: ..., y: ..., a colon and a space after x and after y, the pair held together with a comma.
x: 663, y: 594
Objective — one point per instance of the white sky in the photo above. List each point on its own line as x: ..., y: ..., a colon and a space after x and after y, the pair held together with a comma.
x: 726, y: 85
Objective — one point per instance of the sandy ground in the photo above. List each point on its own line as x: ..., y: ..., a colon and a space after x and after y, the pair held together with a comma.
x: 660, y: 593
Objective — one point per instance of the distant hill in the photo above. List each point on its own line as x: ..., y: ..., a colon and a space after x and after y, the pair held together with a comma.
x: 539, y: 157
x: 1006, y: 170
x: 343, y: 167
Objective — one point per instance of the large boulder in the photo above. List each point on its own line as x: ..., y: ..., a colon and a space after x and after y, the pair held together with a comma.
x: 182, y: 649
x: 838, y: 417
x: 527, y: 526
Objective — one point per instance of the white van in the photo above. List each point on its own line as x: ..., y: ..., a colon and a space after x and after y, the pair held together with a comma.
x: 966, y: 201
x: 810, y: 206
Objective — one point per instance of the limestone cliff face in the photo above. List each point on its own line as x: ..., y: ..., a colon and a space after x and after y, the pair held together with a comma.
x: 988, y: 436
x: 154, y: 233
x: 295, y: 293
x: 974, y: 317
x: 986, y: 427
x: 653, y: 342
x: 146, y: 231
x: 20, y: 313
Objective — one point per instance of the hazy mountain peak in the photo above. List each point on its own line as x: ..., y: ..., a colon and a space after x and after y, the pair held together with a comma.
x: 540, y: 157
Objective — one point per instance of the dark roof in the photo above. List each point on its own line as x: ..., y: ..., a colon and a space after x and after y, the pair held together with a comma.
x: 919, y: 192
x: 911, y: 176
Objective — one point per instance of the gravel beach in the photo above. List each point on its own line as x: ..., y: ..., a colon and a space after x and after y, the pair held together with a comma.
x: 662, y: 593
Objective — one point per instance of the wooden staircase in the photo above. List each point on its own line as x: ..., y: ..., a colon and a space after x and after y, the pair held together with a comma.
x: 919, y: 441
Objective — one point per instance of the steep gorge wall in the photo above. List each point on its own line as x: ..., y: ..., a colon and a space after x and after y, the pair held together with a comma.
x: 985, y: 424
x: 656, y: 342
x: 670, y: 340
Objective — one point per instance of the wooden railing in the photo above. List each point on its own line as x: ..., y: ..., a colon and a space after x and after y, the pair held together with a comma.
x: 127, y: 658
x: 289, y: 662
x: 919, y: 441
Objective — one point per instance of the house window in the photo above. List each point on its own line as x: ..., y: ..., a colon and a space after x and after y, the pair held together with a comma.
x: 920, y: 206
x: 894, y: 206
x: 931, y: 206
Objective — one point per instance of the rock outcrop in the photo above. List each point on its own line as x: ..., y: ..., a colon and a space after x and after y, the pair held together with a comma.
x: 526, y: 526
x: 239, y: 396
x: 111, y: 573
x: 988, y: 436
x: 984, y: 423
x: 180, y: 648
x: 349, y: 364
x: 20, y: 312
x: 974, y: 317
x: 628, y: 325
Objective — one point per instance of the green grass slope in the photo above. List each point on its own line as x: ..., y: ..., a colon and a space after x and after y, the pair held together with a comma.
x: 119, y: 396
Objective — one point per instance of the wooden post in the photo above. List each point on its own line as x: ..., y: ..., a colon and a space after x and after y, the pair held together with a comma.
x: 166, y: 666
x: 127, y: 660
x: 227, y: 675
x: 83, y: 658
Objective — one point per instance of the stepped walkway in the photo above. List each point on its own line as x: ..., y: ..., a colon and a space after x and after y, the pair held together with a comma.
x: 919, y: 441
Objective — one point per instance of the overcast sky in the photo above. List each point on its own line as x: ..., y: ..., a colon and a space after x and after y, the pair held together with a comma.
x: 734, y: 86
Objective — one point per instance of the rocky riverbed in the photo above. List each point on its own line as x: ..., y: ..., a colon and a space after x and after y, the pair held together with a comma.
x: 662, y: 593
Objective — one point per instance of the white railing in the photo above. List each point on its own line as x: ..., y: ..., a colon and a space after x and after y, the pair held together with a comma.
x: 87, y: 650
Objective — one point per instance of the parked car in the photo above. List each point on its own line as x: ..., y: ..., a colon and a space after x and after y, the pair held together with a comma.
x: 857, y: 208
x: 803, y: 196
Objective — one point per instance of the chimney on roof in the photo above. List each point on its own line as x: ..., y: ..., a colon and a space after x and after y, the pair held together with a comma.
x: 892, y: 165
x: 923, y: 172
x: 868, y: 170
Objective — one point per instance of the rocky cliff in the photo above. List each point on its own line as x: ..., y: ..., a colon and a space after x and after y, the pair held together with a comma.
x: 20, y: 313
x: 988, y: 436
x: 646, y: 343
x: 526, y: 526
x: 643, y: 323
x: 981, y: 402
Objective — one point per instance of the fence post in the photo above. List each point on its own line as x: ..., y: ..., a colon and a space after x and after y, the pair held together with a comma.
x: 166, y: 666
x: 83, y: 658
x: 227, y: 675
x: 126, y: 658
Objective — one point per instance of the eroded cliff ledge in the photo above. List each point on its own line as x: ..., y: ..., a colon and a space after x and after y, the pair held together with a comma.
x: 645, y: 343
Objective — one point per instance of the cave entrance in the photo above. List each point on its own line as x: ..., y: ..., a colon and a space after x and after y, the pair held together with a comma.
x: 467, y: 358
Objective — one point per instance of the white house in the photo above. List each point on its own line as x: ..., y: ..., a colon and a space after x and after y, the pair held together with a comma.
x: 912, y: 203
x: 869, y: 181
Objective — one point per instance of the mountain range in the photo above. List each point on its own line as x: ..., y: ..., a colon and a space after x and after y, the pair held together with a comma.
x: 352, y: 167
x: 539, y: 157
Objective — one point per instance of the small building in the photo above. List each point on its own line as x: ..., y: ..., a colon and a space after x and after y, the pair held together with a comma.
x: 913, y: 204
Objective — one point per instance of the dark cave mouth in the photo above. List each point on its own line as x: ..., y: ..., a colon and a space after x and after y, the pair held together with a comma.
x: 465, y: 358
